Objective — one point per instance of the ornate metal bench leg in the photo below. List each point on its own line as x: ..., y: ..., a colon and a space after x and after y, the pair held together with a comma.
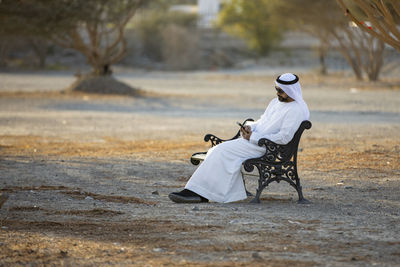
x: 261, y: 185
x: 301, y: 200
x: 256, y: 199
x: 260, y: 188
x: 244, y: 183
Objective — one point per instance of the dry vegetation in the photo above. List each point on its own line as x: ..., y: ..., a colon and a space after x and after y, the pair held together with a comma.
x: 325, y: 153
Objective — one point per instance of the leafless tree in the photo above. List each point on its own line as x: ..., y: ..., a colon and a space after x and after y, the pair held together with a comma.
x: 100, y: 37
x: 363, y: 53
x: 93, y: 27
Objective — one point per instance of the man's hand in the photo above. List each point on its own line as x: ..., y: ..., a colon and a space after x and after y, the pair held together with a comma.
x: 246, y: 132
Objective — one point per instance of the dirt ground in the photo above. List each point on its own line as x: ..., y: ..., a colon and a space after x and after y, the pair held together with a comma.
x: 88, y: 176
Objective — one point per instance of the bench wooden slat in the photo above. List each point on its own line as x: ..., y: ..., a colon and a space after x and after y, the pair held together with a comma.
x: 200, y: 157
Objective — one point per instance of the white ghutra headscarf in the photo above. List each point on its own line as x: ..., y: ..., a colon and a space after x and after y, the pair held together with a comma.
x: 290, y: 84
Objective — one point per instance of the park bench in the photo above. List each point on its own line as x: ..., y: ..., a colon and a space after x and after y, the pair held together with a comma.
x: 279, y: 163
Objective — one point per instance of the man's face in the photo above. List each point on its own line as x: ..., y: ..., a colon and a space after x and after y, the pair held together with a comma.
x: 282, y: 96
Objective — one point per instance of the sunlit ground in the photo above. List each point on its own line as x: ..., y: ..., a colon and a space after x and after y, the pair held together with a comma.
x: 88, y: 175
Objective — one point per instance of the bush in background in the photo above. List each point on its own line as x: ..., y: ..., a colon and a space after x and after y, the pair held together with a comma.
x: 156, y: 29
x: 180, y: 48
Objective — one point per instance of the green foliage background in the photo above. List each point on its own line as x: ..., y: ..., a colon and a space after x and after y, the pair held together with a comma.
x: 256, y: 21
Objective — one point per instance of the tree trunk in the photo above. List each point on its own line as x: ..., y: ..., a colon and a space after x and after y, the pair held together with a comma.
x: 39, y: 47
x: 4, y: 48
x: 355, y: 66
x: 357, y: 70
x: 101, y: 70
x: 322, y: 63
x: 376, y: 60
x: 349, y: 51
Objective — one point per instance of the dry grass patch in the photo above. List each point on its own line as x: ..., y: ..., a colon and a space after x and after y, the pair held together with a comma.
x: 318, y: 154
x: 332, y: 154
x: 157, y: 149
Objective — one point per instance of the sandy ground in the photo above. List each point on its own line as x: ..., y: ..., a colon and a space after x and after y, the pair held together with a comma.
x: 88, y: 176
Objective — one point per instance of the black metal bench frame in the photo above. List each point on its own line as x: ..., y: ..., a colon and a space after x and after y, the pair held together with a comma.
x: 279, y: 163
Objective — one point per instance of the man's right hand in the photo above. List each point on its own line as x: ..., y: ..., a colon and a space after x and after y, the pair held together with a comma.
x: 246, y: 132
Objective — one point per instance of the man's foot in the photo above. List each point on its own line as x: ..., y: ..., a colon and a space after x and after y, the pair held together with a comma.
x: 186, y: 196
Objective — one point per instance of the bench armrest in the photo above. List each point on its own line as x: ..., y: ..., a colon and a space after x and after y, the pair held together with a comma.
x: 275, y: 152
x: 216, y: 140
x: 278, y: 154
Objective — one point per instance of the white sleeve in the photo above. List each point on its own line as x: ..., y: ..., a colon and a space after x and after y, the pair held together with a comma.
x: 290, y: 124
x: 253, y: 124
x: 254, y: 137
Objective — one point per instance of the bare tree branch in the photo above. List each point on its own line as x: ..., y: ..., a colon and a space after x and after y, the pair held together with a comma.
x: 381, y: 16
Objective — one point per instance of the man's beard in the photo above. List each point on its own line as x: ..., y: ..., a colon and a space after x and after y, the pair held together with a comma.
x: 282, y: 99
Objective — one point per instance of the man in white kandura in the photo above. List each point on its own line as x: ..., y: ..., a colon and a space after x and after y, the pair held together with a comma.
x: 219, y: 178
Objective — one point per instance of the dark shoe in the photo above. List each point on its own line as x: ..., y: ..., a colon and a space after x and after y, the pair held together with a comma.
x: 178, y: 198
x: 186, y: 196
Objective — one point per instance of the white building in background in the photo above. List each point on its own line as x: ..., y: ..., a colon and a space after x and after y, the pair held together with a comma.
x: 208, y: 12
x: 190, y: 9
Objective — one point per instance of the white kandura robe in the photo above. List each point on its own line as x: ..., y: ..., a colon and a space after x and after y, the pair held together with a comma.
x: 219, y: 178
